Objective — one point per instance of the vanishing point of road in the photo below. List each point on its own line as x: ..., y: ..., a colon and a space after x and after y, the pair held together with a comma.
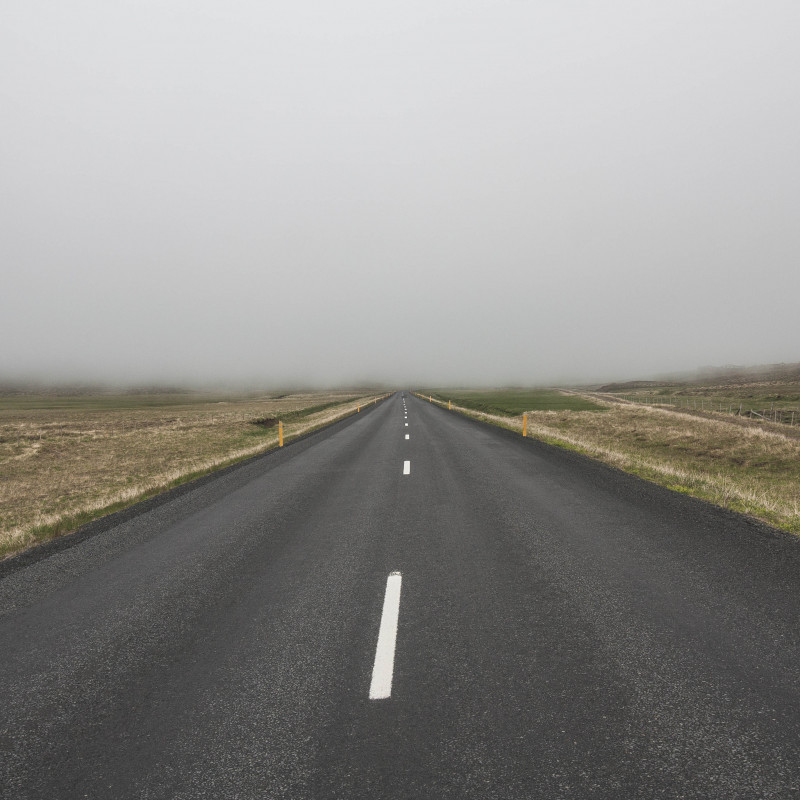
x: 408, y: 604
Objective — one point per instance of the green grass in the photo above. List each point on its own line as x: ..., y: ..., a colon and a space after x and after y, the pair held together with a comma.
x: 101, y: 402
x: 512, y: 402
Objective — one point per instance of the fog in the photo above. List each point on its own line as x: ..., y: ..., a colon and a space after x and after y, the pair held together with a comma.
x: 413, y: 193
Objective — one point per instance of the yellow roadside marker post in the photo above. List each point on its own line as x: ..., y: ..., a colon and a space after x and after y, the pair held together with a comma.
x: 280, y: 434
x: 524, y: 424
x: 358, y: 409
x: 430, y: 399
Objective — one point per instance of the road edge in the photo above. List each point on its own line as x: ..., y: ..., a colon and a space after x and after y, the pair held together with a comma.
x: 531, y: 441
x: 38, y: 552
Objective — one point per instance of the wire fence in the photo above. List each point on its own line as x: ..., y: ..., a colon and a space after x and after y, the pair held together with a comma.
x: 783, y: 415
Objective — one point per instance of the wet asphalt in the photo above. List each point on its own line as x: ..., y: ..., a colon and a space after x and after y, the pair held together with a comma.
x: 565, y: 631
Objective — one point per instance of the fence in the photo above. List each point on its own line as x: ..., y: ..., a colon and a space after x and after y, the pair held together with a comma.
x: 785, y: 416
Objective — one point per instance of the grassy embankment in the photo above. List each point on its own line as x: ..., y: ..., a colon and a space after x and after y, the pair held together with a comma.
x: 65, y: 461
x: 744, y: 465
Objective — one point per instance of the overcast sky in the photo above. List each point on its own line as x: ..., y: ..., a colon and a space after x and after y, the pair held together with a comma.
x: 415, y: 192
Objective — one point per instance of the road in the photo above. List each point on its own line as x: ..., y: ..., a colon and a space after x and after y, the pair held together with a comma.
x: 562, y: 630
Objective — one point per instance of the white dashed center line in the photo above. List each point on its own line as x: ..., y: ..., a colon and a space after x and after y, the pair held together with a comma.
x: 406, y: 436
x: 406, y: 468
x: 406, y: 424
x: 383, y: 669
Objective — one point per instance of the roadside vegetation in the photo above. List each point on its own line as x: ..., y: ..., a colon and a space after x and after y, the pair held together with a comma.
x: 66, y: 460
x: 743, y: 464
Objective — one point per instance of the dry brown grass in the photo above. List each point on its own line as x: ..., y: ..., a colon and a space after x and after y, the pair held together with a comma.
x: 66, y: 461
x: 749, y: 469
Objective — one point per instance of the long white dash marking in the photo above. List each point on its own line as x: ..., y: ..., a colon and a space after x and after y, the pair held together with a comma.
x: 406, y: 436
x: 406, y: 468
x: 406, y: 424
x: 383, y: 668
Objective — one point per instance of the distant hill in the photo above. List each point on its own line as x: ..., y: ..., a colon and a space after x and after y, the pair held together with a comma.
x: 763, y: 373
x: 730, y: 375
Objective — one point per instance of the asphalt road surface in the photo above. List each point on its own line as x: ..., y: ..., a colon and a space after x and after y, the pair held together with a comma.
x: 556, y: 630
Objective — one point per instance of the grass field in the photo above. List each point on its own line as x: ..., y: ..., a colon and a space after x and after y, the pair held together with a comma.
x: 510, y: 402
x: 65, y: 460
x: 741, y: 464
